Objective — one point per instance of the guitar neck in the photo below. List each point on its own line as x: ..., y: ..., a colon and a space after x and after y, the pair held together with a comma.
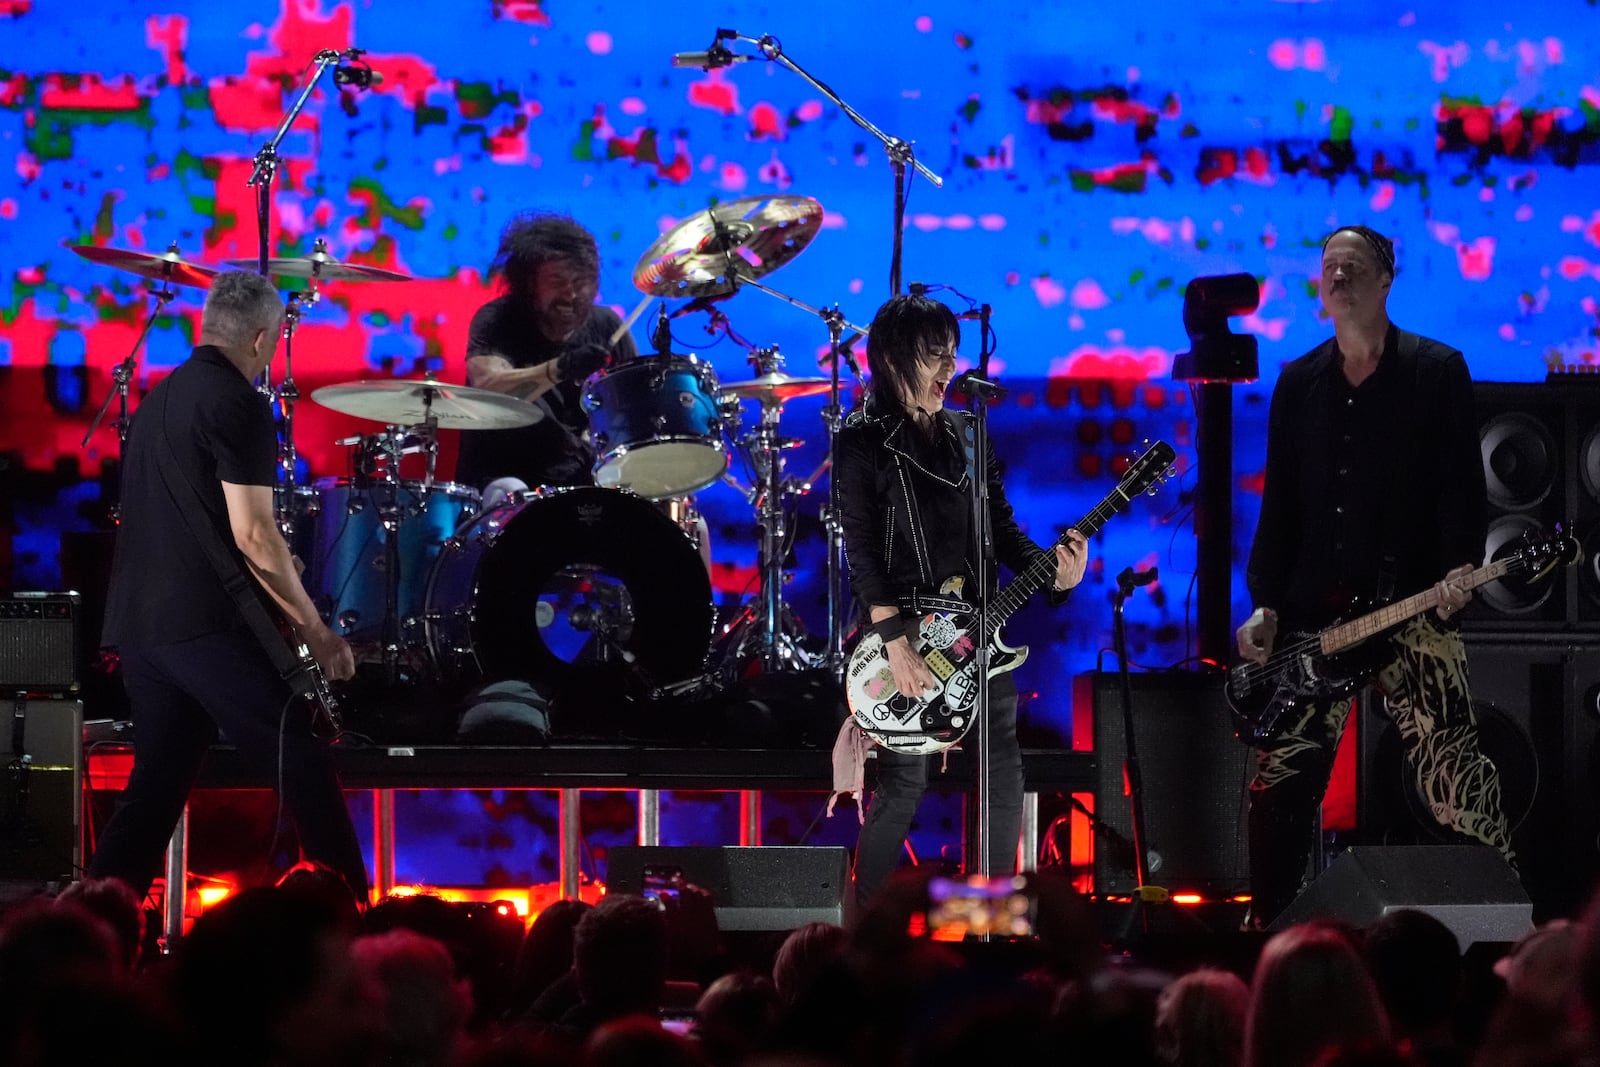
x: 1343, y: 636
x: 1042, y: 571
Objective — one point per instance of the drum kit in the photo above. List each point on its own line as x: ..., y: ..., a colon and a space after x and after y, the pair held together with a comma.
x: 556, y: 583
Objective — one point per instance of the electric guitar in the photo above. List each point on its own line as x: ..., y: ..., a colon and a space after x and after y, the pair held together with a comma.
x: 305, y: 677
x: 948, y: 641
x: 1337, y: 661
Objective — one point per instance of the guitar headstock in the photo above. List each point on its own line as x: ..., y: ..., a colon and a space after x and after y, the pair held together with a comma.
x: 1147, y: 473
x: 1539, y: 551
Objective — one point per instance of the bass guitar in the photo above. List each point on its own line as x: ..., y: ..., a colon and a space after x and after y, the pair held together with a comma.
x: 948, y: 640
x: 1337, y: 661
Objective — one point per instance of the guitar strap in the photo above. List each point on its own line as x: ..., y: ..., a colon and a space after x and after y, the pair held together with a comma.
x: 1388, y: 569
x: 239, y: 585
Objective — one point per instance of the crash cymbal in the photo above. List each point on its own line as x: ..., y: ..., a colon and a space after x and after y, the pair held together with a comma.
x: 163, y: 266
x: 323, y: 267
x: 407, y: 402
x: 747, y: 237
x: 776, y: 387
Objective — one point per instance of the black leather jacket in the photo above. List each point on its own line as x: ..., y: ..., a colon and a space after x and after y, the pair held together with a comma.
x: 904, y: 507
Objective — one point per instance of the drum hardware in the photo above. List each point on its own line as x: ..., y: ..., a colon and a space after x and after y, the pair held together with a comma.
x: 766, y: 630
x: 415, y: 411
x: 169, y: 269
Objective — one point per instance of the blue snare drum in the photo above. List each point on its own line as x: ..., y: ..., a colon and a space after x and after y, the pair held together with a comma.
x: 347, y: 571
x: 656, y: 426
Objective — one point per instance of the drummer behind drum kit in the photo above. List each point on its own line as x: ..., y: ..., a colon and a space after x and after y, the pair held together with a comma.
x: 551, y: 584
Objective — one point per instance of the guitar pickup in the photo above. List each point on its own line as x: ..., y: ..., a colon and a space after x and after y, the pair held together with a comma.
x: 940, y: 666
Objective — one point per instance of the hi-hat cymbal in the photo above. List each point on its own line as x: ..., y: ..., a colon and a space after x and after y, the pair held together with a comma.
x: 323, y: 267
x: 163, y: 266
x: 407, y: 402
x: 776, y: 387
x: 747, y: 238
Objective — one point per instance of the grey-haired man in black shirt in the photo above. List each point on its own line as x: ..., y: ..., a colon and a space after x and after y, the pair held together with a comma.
x: 190, y: 662
x: 1374, y: 490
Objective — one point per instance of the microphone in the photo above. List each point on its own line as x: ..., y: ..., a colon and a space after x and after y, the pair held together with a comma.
x: 1130, y: 578
x: 360, y: 77
x: 711, y: 60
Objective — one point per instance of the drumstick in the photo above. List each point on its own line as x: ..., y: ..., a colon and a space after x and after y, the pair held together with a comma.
x: 633, y: 316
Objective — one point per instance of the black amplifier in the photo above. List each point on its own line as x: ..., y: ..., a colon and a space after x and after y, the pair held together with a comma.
x: 39, y: 642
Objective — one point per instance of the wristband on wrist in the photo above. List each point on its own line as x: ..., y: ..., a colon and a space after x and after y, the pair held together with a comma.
x: 889, y: 629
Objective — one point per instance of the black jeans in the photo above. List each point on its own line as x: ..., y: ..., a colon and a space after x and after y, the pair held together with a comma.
x: 181, y: 695
x: 902, y: 779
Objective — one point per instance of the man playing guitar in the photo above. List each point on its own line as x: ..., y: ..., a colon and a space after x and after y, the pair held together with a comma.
x: 190, y: 663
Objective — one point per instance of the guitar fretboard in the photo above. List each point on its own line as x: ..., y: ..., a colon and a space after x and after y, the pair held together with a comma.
x: 1337, y: 638
x: 1043, y: 569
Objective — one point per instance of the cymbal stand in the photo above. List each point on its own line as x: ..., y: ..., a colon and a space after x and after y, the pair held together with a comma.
x: 122, y: 375
x: 778, y: 648
x: 285, y: 396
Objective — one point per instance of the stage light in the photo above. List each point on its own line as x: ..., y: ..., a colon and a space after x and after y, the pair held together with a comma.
x: 1216, y: 353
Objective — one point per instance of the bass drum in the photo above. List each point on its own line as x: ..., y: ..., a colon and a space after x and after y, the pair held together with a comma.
x: 561, y: 585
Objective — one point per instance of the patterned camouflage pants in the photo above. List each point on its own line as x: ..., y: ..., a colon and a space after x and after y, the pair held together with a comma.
x: 1425, y: 690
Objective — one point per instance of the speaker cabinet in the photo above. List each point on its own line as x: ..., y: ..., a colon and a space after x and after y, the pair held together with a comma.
x: 41, y: 790
x: 1540, y: 448
x: 39, y: 642
x: 1469, y: 888
x: 758, y: 888
x: 1535, y: 700
x: 1196, y: 775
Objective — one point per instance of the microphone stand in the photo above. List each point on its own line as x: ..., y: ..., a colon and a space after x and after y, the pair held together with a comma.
x: 261, y: 179
x: 981, y: 391
x: 266, y: 168
x: 1145, y: 895
x: 899, y: 151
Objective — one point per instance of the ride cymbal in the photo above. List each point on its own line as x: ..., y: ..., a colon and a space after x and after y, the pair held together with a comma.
x: 323, y: 267
x: 407, y: 402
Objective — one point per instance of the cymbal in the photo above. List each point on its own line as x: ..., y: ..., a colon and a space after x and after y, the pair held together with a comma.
x: 408, y: 401
x: 776, y: 387
x: 747, y: 237
x: 164, y: 266
x: 323, y: 267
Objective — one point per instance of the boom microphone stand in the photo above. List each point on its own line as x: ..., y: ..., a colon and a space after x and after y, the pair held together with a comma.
x: 899, y: 151
x: 1145, y: 895
x: 261, y: 178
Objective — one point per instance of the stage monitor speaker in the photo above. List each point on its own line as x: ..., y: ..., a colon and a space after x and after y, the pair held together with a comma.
x: 41, y: 750
x: 1196, y: 776
x: 1469, y: 888
x: 775, y: 887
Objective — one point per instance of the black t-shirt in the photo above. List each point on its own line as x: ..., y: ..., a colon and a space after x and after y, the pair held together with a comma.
x: 555, y: 450
x: 163, y: 588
